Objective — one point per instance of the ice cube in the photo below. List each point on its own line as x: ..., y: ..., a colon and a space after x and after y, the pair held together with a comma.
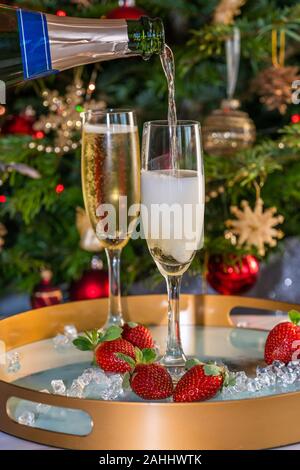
x: 58, y: 387
x: 287, y: 378
x: 294, y: 365
x: 252, y: 385
x: 115, y: 389
x: 86, y: 377
x: 229, y: 391
x: 277, y: 365
x: 76, y: 389
x: 27, y: 418
x: 100, y: 378
x: 70, y: 331
x: 41, y: 408
x: 13, y: 362
x: 240, y: 381
x: 61, y: 342
x: 90, y: 371
x: 266, y: 376
x: 104, y: 386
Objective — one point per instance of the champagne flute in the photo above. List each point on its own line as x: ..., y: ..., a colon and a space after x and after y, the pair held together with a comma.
x: 111, y: 185
x: 172, y: 209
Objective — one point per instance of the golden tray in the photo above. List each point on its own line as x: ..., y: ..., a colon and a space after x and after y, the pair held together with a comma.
x: 256, y: 423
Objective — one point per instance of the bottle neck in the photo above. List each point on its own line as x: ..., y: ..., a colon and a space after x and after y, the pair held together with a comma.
x: 79, y: 41
x: 146, y: 36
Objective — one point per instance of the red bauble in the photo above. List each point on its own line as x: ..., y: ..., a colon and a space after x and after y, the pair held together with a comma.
x: 61, y: 13
x: 20, y: 124
x: 295, y: 118
x: 92, y: 285
x: 236, y: 277
x: 45, y: 293
x: 127, y: 10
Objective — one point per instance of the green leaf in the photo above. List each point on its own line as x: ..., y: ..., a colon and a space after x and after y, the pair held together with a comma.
x: 229, y: 379
x: 212, y: 369
x: 126, y: 381
x: 92, y: 336
x: 112, y: 333
x: 83, y: 344
x: 88, y: 334
x: 126, y: 358
x: 148, y: 355
x: 192, y: 362
x: 294, y: 316
x: 95, y: 336
x: 131, y: 324
x: 138, y: 355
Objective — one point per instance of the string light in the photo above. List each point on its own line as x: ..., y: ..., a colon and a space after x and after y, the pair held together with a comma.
x: 2, y: 198
x: 59, y: 188
x: 92, y: 87
x: 39, y: 134
x: 61, y: 13
x: 214, y: 193
x: 295, y: 118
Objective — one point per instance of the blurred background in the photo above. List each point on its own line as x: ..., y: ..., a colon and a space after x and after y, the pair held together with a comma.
x: 237, y: 66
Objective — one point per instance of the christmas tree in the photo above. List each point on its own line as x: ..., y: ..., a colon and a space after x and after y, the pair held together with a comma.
x: 251, y: 153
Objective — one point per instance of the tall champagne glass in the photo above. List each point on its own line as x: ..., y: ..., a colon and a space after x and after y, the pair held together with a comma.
x: 111, y: 185
x: 172, y: 196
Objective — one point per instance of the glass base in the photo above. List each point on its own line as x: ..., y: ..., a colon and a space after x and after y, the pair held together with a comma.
x: 175, y: 365
x: 113, y: 320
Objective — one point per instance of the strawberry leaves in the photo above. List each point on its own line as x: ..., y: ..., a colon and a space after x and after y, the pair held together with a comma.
x: 126, y: 381
x: 144, y: 356
x: 212, y: 369
x: 112, y: 333
x: 192, y: 362
x: 149, y: 356
x: 294, y: 316
x: 90, y: 339
x: 229, y: 379
x: 127, y: 359
x: 83, y: 343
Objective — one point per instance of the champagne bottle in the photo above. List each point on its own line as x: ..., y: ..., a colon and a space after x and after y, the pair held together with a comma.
x: 34, y: 44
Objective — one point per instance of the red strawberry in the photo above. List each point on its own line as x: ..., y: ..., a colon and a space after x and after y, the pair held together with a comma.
x: 282, y: 341
x: 106, y: 345
x: 138, y: 335
x: 106, y: 358
x: 151, y: 382
x: 147, y: 379
x: 200, y: 382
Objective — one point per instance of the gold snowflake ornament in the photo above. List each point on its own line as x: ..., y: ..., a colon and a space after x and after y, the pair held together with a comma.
x: 255, y: 227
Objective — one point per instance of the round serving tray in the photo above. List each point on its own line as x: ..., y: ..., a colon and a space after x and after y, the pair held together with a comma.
x: 208, y: 332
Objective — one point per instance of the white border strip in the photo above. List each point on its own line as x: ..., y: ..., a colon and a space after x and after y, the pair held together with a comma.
x: 24, y: 43
x: 45, y: 40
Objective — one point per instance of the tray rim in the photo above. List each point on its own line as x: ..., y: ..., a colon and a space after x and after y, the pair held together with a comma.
x: 181, y: 412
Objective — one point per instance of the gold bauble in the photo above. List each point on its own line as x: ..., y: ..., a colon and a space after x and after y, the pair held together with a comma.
x: 228, y: 130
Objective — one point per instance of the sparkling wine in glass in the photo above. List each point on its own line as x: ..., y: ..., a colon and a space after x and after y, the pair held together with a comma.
x: 111, y: 188
x: 172, y: 212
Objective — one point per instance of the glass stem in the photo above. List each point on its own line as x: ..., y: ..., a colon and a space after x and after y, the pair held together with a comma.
x: 114, y: 307
x: 174, y: 355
